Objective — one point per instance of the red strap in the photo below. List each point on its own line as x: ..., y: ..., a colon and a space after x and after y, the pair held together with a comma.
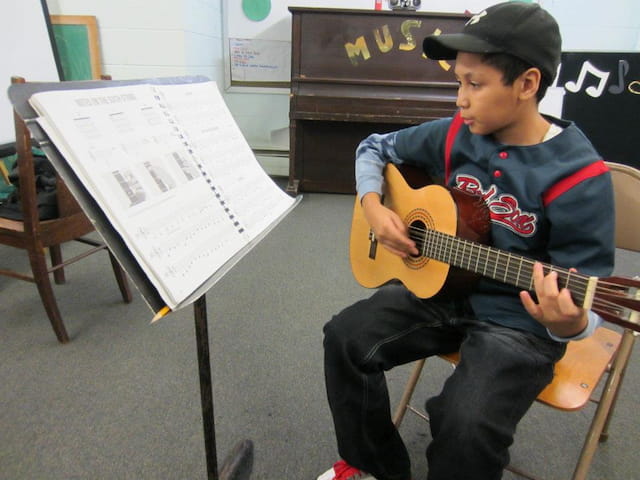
x: 456, y: 123
x: 593, y: 170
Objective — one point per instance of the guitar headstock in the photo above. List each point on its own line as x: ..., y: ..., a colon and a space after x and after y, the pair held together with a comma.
x: 617, y: 300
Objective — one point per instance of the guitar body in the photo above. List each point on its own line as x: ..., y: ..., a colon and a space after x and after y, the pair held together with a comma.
x: 434, y: 207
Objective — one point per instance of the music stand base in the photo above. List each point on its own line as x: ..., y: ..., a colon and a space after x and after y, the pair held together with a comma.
x: 239, y: 462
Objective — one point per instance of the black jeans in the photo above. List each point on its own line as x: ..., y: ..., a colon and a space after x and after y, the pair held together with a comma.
x: 473, y: 419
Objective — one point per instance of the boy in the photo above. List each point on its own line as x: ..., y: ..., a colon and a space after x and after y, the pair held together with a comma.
x: 550, y: 198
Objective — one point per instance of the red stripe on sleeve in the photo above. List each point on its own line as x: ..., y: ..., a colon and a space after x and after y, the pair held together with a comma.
x: 456, y: 123
x: 593, y: 170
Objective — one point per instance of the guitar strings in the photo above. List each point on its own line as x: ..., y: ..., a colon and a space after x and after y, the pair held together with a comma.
x: 505, y: 266
x: 486, y: 260
x: 607, y: 306
x: 440, y: 246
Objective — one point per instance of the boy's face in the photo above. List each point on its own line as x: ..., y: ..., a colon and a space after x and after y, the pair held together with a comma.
x: 486, y: 105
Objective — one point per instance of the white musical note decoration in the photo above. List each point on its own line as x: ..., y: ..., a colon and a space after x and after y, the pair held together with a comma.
x: 593, y: 91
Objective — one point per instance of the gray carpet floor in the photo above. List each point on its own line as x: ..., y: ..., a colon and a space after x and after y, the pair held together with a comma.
x: 121, y: 400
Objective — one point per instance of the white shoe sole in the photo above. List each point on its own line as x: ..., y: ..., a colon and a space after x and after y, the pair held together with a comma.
x: 328, y: 475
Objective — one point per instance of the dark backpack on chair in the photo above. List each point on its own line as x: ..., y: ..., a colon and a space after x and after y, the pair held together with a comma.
x: 45, y: 189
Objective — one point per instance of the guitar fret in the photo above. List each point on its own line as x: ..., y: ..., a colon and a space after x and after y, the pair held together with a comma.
x: 484, y: 271
x: 530, y: 269
x: 495, y: 266
x: 514, y: 267
x: 434, y: 246
x: 455, y: 257
x: 506, y: 270
x: 529, y: 277
x: 465, y: 255
x: 443, y: 249
x: 425, y: 251
x: 459, y: 252
x: 518, y: 274
x: 448, y: 249
x: 525, y: 272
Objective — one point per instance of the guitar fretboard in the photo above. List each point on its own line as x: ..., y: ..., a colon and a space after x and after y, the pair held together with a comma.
x: 493, y: 263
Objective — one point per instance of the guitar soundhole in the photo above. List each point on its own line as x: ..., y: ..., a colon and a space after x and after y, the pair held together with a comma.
x: 419, y: 221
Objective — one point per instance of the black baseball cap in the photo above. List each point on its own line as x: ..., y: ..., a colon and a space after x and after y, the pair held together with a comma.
x: 524, y: 30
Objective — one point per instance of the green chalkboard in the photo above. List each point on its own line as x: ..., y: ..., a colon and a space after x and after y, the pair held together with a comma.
x: 73, y: 50
x: 75, y: 37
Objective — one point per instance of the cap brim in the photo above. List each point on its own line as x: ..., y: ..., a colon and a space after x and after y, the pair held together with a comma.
x: 445, y: 47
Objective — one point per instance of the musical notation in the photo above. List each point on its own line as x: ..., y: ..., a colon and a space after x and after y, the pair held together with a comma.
x: 172, y: 172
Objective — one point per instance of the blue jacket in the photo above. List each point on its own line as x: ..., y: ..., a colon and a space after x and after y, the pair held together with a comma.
x: 552, y: 201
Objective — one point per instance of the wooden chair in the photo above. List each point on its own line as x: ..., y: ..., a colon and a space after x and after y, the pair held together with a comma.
x: 588, y: 361
x: 34, y: 235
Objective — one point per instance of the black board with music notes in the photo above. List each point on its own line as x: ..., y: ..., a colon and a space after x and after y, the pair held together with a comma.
x: 602, y: 95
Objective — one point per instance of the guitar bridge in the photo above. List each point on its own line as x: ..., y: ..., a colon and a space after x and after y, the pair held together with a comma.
x: 373, y: 245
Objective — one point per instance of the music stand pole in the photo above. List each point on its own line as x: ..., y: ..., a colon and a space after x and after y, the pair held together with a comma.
x: 206, y: 390
x: 239, y: 462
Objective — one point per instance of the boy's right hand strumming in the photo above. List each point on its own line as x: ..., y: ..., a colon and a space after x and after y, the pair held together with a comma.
x: 387, y: 226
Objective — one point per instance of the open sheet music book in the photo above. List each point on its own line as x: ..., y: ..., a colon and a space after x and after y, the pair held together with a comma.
x: 172, y: 172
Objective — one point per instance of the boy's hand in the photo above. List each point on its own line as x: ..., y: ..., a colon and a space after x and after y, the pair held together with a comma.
x: 387, y: 226
x: 555, y: 308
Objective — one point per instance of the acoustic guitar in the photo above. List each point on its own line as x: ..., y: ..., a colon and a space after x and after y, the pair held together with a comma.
x: 451, y: 229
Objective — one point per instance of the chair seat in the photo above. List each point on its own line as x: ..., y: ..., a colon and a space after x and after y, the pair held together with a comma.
x: 50, y: 232
x: 578, y: 371
x: 577, y: 374
x: 11, y: 225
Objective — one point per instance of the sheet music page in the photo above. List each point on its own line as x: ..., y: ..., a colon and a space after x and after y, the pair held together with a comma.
x: 218, y: 141
x: 172, y: 207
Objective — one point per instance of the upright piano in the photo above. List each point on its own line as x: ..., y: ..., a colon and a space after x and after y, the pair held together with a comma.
x: 357, y: 72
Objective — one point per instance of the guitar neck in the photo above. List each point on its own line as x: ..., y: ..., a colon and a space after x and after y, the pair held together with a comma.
x: 497, y: 264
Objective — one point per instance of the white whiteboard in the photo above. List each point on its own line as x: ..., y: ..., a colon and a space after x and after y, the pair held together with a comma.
x: 26, y: 52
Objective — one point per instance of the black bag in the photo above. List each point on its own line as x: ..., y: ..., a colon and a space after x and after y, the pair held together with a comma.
x: 45, y: 191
